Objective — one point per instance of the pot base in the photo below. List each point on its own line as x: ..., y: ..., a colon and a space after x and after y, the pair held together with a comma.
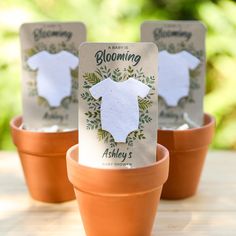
x: 188, y: 150
x: 43, y: 159
x: 46, y: 178
x: 118, y: 215
x: 184, y: 174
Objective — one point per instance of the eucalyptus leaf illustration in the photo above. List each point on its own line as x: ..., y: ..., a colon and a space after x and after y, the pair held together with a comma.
x: 93, y: 121
x: 194, y: 74
x: 32, y: 84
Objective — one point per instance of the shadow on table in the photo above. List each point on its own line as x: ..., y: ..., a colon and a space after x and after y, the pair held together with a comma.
x: 38, y: 218
x: 168, y: 221
x: 12, y: 183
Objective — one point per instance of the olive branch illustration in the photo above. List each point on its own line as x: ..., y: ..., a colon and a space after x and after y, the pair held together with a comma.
x: 194, y: 74
x: 32, y: 83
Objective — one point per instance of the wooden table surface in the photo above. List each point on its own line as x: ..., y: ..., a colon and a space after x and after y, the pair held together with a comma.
x: 211, y: 212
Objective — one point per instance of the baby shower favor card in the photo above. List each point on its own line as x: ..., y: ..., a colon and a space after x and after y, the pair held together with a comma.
x: 117, y: 104
x: 181, y: 70
x: 50, y: 63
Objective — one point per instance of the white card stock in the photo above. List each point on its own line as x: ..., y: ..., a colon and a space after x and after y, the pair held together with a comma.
x: 181, y: 71
x: 50, y: 61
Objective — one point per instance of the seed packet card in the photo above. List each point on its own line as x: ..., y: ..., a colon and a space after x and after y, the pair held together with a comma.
x: 181, y: 71
x: 117, y: 104
x: 50, y: 62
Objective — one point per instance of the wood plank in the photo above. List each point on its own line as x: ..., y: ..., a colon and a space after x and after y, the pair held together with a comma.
x: 195, y: 223
x: 212, y: 211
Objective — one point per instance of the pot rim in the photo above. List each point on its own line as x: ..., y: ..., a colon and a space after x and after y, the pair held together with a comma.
x: 41, y: 143
x: 206, y: 125
x: 190, y: 139
x: 19, y: 118
x: 166, y: 154
x: 102, y: 181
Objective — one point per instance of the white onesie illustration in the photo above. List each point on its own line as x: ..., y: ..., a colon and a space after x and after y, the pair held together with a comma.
x: 53, y: 74
x: 119, y: 106
x: 174, y: 78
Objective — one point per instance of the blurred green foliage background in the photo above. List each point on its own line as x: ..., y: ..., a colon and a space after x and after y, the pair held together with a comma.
x: 119, y: 20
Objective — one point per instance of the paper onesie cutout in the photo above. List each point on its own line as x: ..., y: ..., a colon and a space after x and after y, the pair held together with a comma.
x: 53, y: 74
x: 174, y: 78
x: 119, y: 106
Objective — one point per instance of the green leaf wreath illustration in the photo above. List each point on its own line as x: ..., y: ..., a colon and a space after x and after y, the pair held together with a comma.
x: 93, y: 121
x: 32, y: 83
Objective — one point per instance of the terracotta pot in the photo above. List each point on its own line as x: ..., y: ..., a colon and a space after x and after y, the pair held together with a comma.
x: 118, y: 202
x: 188, y: 149
x: 43, y: 158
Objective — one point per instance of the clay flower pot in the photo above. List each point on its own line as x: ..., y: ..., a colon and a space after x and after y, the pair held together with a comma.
x: 188, y: 149
x: 43, y: 158
x: 118, y: 202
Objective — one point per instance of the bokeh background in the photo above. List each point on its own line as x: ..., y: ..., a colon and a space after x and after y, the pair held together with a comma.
x: 119, y: 20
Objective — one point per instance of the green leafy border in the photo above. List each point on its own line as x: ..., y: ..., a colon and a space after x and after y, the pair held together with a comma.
x: 93, y: 114
x: 194, y: 85
x: 32, y: 83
